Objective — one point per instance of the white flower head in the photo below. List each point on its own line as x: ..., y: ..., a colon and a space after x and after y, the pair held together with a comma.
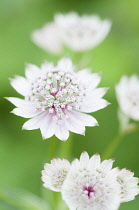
x: 56, y: 97
x: 127, y: 92
x: 48, y: 38
x: 55, y: 173
x: 91, y: 184
x: 81, y: 33
x: 129, y: 185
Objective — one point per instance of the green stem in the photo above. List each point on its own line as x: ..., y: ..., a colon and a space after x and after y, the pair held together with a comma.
x: 53, y: 147
x: 116, y: 141
x: 112, y: 146
x: 53, y: 199
x: 66, y: 148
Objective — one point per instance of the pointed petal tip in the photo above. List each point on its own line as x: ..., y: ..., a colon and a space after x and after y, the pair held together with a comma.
x: 84, y: 152
x: 100, y: 73
x: 107, y: 88
x: 7, y: 98
x: 26, y: 63
x: 24, y: 128
x: 97, y: 154
x: 43, y: 138
x: 108, y: 103
x: 63, y: 140
x: 83, y: 134
x: 96, y: 124
x: 10, y: 79
x: 112, y: 159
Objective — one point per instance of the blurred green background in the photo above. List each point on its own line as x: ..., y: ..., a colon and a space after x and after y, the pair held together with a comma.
x: 23, y: 153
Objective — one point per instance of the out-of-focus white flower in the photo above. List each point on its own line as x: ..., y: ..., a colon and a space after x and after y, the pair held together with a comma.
x: 55, y: 97
x: 55, y: 173
x: 91, y: 184
x: 129, y: 185
x: 48, y: 38
x: 127, y: 92
x: 79, y: 33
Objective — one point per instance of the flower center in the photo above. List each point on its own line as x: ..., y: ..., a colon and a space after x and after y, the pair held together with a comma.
x: 56, y: 92
x: 89, y: 191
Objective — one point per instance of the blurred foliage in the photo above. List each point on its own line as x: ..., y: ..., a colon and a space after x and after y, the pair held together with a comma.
x: 21, y: 200
x: 23, y: 153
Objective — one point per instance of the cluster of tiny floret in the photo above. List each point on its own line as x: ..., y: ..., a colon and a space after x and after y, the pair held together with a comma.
x: 57, y: 92
x: 94, y: 191
x: 59, y: 177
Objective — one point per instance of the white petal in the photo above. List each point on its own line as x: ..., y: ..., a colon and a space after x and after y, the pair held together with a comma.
x: 21, y: 103
x: 65, y: 64
x: 84, y: 159
x: 94, y: 161
x: 93, y: 106
x: 48, y: 127
x: 35, y: 122
x: 87, y: 120
x: 47, y: 66
x: 74, y: 127
x: 62, y: 132
x: 21, y: 85
x: 91, y: 80
x: 74, y: 124
x: 31, y: 71
x: 26, y: 113
x: 106, y: 165
x: 98, y: 93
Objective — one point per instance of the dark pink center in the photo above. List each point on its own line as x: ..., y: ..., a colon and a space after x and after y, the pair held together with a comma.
x: 90, y: 190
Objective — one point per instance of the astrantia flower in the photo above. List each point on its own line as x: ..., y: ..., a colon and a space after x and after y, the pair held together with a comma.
x: 56, y: 97
x: 49, y: 38
x: 77, y: 33
x: 55, y: 173
x: 91, y: 184
x: 127, y: 92
x: 129, y: 185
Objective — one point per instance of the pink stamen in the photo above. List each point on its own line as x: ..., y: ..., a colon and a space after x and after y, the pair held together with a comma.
x: 90, y: 190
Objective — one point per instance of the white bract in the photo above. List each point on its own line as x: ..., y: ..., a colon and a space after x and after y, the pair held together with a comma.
x: 79, y: 33
x: 127, y: 92
x: 56, y: 97
x: 91, y: 184
x: 55, y: 173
